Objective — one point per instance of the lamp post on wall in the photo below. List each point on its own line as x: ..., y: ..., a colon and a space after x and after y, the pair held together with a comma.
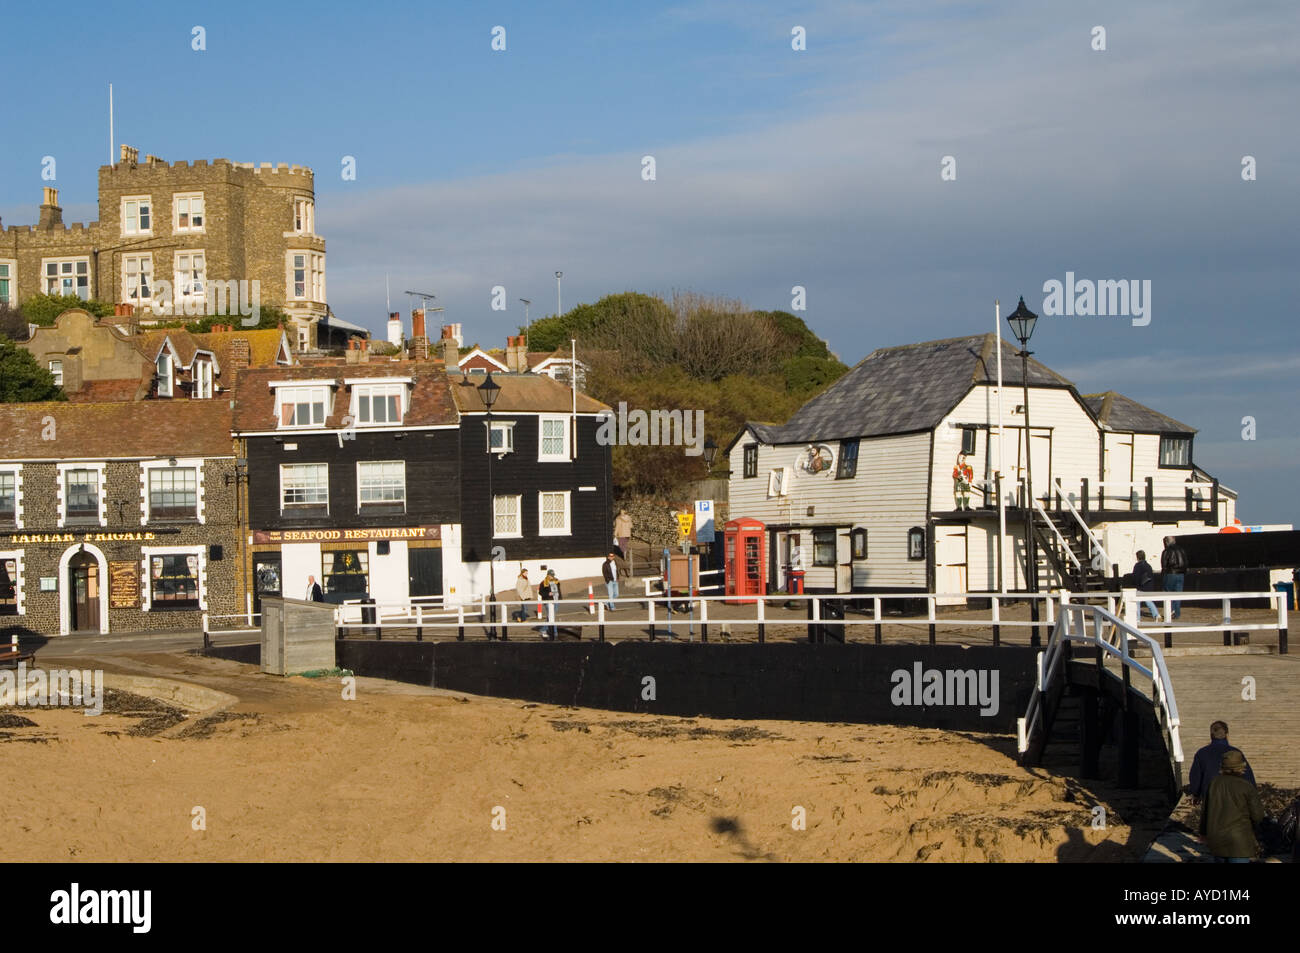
x: 1022, y: 322
x: 490, y: 390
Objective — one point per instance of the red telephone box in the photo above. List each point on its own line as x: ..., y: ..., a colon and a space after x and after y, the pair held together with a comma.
x: 746, y: 559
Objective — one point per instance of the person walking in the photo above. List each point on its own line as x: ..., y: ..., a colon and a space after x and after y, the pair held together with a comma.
x: 1205, y: 765
x: 623, y: 531
x: 609, y: 570
x: 524, y: 590
x: 551, y: 593
x: 1144, y: 577
x: 314, y: 593
x: 1173, y: 565
x: 1232, y: 810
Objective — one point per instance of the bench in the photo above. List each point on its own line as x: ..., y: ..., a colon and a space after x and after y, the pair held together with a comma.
x: 12, y: 657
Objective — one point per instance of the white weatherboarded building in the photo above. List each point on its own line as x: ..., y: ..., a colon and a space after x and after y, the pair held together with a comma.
x: 863, y: 476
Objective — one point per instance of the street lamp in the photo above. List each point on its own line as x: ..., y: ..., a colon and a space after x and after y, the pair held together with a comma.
x: 710, y: 453
x: 1022, y: 322
x: 527, y: 321
x: 489, y: 391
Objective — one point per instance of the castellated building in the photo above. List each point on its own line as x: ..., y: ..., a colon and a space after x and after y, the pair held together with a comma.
x: 174, y: 238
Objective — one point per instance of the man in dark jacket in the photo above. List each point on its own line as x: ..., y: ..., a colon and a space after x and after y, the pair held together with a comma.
x: 1144, y: 578
x: 1232, y: 811
x: 314, y: 593
x: 1205, y: 766
x: 609, y: 570
x: 1173, y: 564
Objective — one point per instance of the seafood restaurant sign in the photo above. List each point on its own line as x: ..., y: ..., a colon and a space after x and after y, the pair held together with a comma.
x: 345, y: 535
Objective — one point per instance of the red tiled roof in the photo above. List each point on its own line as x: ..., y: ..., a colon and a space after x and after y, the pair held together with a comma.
x: 111, y: 390
x: 115, y: 430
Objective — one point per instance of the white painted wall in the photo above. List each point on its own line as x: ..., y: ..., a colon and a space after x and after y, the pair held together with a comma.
x: 297, y: 562
x: 390, y: 579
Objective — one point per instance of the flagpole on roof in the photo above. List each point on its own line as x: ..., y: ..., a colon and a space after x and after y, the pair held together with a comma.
x: 1002, y: 505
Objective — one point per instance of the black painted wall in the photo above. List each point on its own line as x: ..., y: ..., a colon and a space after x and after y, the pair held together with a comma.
x: 591, y: 517
x: 432, y: 479
x: 789, y: 681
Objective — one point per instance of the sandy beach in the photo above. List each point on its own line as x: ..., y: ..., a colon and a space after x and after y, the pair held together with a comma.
x: 294, y: 772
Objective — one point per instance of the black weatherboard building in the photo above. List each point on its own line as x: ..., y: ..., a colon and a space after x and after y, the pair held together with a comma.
x: 352, y: 478
x: 551, y: 494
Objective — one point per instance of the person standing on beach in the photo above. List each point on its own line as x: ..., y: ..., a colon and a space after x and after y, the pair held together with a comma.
x: 1232, y: 811
x: 1205, y: 766
x: 1173, y: 565
x: 623, y: 531
x: 609, y: 570
x: 1144, y: 577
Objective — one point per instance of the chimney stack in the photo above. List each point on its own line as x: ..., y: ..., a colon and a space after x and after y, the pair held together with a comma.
x: 395, y: 329
x: 51, y: 214
x: 129, y: 154
x: 448, y: 349
x: 417, y: 323
x: 517, y: 354
x: 239, y: 354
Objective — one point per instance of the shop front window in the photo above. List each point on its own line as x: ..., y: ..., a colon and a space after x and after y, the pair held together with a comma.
x: 174, y: 581
x: 345, y: 572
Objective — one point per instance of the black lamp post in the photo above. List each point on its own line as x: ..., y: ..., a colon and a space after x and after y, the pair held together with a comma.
x: 710, y: 453
x: 1022, y: 322
x: 490, y: 390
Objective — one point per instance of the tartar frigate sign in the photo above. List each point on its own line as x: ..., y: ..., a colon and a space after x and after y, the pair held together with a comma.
x: 18, y: 538
x: 345, y: 535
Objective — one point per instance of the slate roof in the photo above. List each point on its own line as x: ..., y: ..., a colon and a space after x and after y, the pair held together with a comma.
x: 520, y: 393
x: 1118, y: 412
x: 431, y: 401
x: 116, y: 430
x: 905, y: 389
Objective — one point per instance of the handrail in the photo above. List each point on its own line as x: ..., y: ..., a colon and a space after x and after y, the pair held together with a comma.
x: 1064, y: 545
x: 1093, y: 538
x: 1072, y: 626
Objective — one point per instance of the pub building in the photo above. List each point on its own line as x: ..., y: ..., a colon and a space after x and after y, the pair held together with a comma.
x: 116, y: 516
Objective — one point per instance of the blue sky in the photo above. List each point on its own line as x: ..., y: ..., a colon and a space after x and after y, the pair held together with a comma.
x: 775, y: 168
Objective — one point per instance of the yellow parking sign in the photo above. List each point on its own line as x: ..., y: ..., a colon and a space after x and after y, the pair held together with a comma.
x: 684, y: 523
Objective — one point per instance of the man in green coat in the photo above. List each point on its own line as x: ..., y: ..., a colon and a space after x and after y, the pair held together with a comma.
x: 1232, y: 809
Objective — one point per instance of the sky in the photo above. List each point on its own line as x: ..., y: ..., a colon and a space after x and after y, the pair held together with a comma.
x: 822, y: 168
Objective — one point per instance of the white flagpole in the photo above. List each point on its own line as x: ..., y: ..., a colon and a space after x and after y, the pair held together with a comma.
x: 1002, y: 506
x: 112, y: 142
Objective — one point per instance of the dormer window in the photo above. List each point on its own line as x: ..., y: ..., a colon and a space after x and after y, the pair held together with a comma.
x: 203, y: 380
x: 164, y: 374
x: 302, y: 406
x: 378, y: 404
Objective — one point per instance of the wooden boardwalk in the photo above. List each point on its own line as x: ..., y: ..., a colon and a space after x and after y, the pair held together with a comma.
x: 1267, y: 729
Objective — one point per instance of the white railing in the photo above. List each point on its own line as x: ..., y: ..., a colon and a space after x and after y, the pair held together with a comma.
x: 652, y: 581
x: 1113, y: 636
x: 1133, y: 598
x: 415, y: 612
x: 1094, y: 540
x: 1057, y: 533
x: 251, y: 623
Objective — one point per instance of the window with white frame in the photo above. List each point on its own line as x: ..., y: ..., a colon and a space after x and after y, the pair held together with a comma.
x: 164, y: 373
x: 304, y: 484
x: 191, y: 276
x: 81, y: 495
x: 502, y: 437
x: 8, y: 496
x: 203, y: 379
x: 381, y: 482
x: 56, y: 371
x: 506, y: 517
x: 374, y: 404
x: 778, y: 482
x: 137, y: 279
x: 553, y: 513
x: 174, y: 579
x: 317, y: 277
x: 137, y: 215
x: 304, y: 216
x: 302, y: 406
x: 8, y: 283
x: 187, y: 212
x: 553, y: 438
x: 298, y: 275
x: 67, y: 276
x: 173, y: 493
x: 306, y: 276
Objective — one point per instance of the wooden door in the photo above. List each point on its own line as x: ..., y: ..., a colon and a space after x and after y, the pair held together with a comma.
x: 83, y: 586
x: 425, y: 572
x: 950, y: 563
